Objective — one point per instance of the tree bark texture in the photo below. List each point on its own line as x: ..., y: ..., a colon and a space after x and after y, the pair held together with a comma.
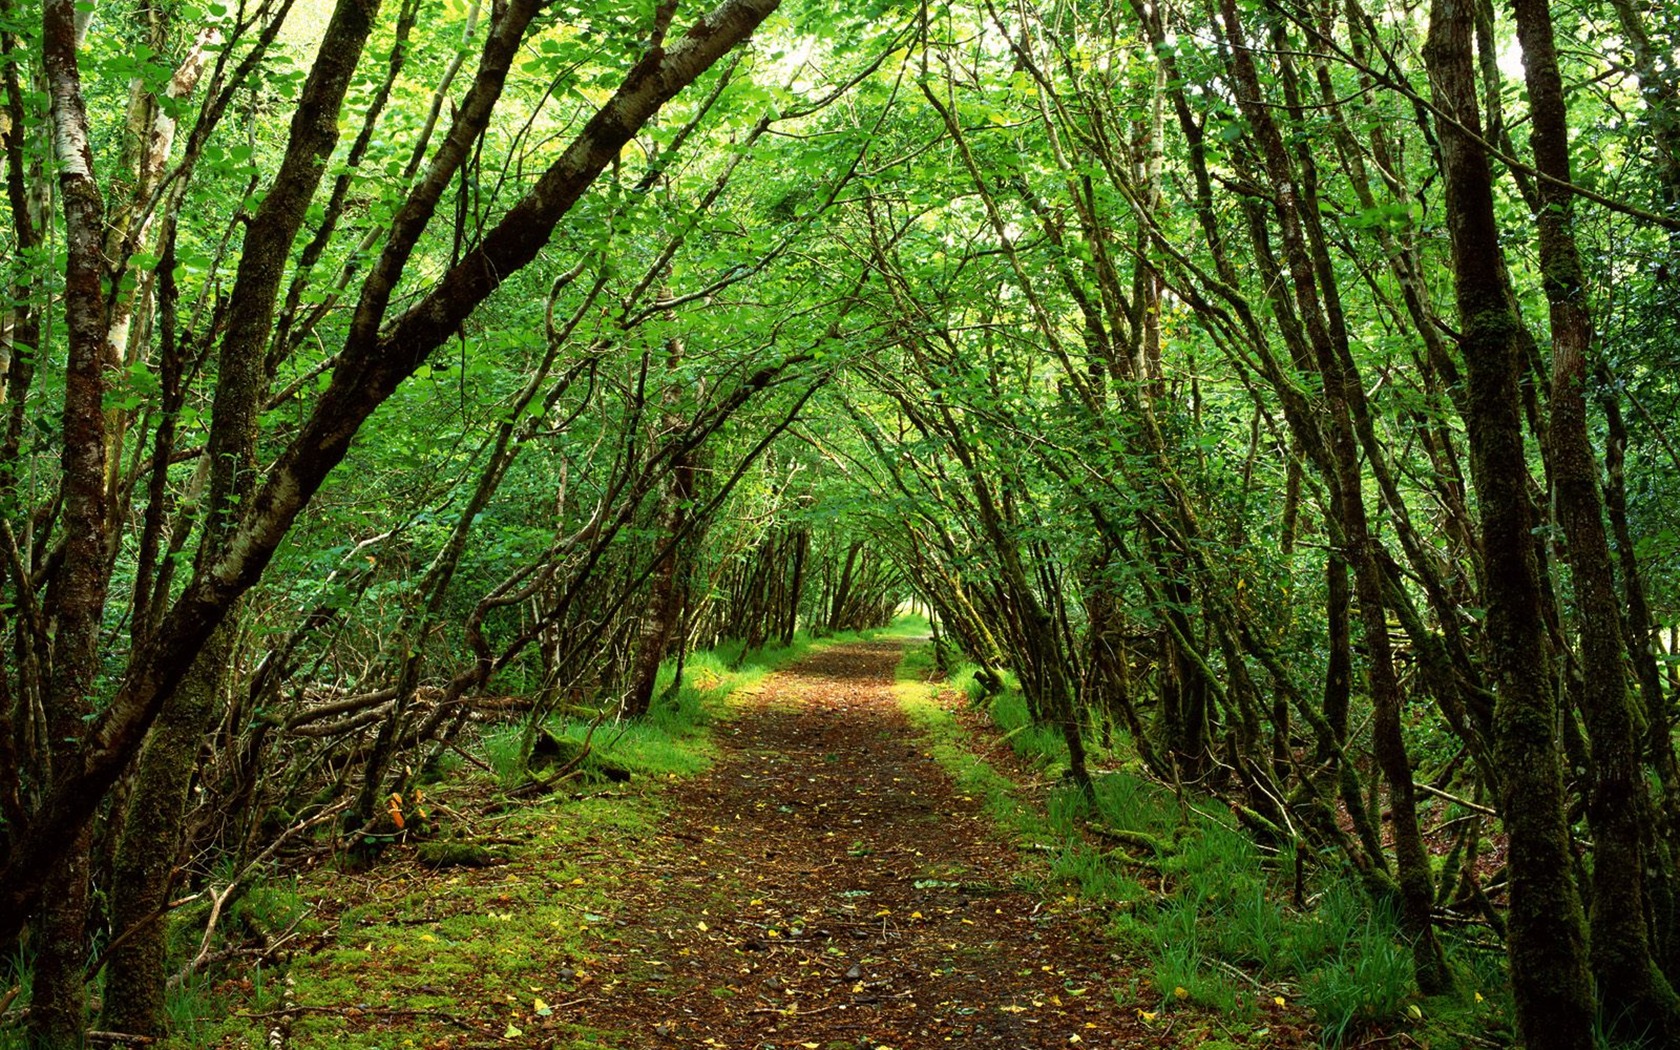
x: 150, y: 848
x: 665, y: 597
x: 1635, y: 996
x: 77, y: 592
x: 1547, y: 942
x: 152, y: 832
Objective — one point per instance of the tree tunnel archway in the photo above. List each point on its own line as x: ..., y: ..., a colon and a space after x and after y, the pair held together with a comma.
x: 1192, y: 365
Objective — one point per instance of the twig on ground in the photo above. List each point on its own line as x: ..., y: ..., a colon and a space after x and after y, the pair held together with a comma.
x: 1474, y: 807
x: 220, y: 898
x: 1240, y: 972
x: 464, y: 753
x: 796, y: 1013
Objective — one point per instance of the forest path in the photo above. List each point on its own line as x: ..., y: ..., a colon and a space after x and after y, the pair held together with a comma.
x: 825, y: 884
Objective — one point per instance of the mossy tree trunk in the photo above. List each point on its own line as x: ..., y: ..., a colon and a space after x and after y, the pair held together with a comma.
x: 150, y: 847
x: 152, y: 833
x: 1317, y: 299
x: 1547, y: 942
x: 1635, y: 997
x: 666, y: 597
x: 77, y: 591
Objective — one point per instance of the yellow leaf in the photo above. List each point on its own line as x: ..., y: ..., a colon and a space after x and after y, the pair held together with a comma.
x: 1181, y: 993
x: 542, y: 1008
x: 702, y: 927
x: 1478, y: 997
x: 1279, y: 1000
x: 512, y: 1032
x: 1147, y: 1015
x: 915, y: 915
x: 578, y: 881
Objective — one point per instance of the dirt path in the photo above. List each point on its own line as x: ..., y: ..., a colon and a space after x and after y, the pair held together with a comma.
x: 824, y: 885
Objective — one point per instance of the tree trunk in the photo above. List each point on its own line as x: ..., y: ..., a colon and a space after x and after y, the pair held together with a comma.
x: 1547, y: 942
x: 78, y: 590
x: 843, y: 590
x: 151, y: 835
x: 665, y: 602
x: 1320, y: 310
x: 150, y: 846
x: 1634, y: 995
x: 1659, y: 729
x: 790, y: 615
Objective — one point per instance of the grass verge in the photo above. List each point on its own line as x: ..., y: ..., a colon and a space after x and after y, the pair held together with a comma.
x: 1204, y: 910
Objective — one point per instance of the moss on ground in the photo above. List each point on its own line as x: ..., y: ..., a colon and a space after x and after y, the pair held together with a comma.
x: 486, y: 934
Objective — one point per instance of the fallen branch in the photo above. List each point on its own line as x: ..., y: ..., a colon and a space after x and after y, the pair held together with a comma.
x: 219, y: 899
x: 792, y: 1013
x: 1125, y: 837
x: 1474, y: 807
x: 459, y: 750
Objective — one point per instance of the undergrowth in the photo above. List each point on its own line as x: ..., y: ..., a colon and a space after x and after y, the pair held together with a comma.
x: 383, y: 955
x: 1208, y: 910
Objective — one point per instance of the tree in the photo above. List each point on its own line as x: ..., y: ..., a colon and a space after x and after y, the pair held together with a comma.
x: 250, y: 521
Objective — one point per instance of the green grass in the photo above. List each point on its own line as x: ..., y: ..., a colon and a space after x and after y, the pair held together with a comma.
x: 948, y: 743
x: 401, y: 939
x: 1366, y: 979
x: 1208, y: 912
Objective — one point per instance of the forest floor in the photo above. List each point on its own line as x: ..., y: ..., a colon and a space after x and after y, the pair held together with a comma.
x: 822, y: 883
x: 825, y: 885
